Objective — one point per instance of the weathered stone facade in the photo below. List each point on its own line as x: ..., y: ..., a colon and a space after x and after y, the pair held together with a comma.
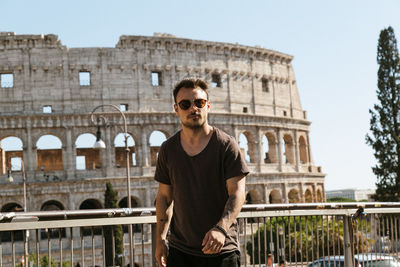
x: 44, y: 92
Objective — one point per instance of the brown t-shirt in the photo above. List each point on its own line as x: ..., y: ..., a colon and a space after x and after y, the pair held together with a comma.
x: 199, y: 189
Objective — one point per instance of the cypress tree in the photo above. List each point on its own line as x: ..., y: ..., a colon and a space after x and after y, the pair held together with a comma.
x: 384, y: 135
x: 110, y: 202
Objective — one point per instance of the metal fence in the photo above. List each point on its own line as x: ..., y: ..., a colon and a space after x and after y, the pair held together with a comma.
x: 297, y: 234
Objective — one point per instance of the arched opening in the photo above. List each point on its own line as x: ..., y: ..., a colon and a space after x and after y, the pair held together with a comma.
x: 87, y: 158
x: 11, y: 154
x: 275, y: 197
x: 269, y: 148
x: 52, y: 205
x: 12, y: 235
x: 308, y: 196
x: 244, y: 147
x: 303, y: 150
x: 253, y: 197
x: 156, y: 139
x: 49, y: 153
x: 288, y: 155
x: 319, y: 196
x: 91, y: 204
x: 120, y: 153
x: 294, y: 196
x: 123, y: 203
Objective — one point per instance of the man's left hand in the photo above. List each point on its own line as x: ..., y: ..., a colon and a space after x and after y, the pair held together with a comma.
x: 213, y: 241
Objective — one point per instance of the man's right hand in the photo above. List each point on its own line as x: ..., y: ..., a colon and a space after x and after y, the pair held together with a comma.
x: 161, y: 253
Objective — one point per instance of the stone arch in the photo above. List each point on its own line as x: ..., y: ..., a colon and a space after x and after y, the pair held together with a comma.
x: 89, y: 204
x: 275, y: 197
x: 120, y: 153
x: 52, y: 205
x: 123, y: 203
x: 319, y: 196
x: 49, y: 153
x: 11, y: 154
x: 156, y: 138
x: 308, y: 198
x: 269, y: 148
x: 18, y: 235
x: 247, y: 146
x: 12, y: 207
x: 87, y: 158
x: 253, y: 197
x: 303, y: 150
x: 288, y: 146
x: 294, y: 196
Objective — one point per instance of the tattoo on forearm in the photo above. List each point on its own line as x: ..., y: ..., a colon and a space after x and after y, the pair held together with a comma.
x: 229, y: 207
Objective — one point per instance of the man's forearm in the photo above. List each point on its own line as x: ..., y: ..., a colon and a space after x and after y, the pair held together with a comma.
x: 164, y: 215
x: 232, y: 208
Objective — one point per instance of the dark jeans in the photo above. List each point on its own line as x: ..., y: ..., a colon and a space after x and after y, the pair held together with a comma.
x: 177, y: 258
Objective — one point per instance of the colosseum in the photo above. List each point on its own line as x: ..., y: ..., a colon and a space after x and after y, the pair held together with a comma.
x: 49, y: 90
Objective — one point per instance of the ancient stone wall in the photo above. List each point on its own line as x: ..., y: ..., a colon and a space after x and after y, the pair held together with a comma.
x: 49, y: 89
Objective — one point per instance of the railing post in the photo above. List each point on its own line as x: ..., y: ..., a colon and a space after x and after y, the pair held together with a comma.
x: 153, y: 244
x: 347, y: 235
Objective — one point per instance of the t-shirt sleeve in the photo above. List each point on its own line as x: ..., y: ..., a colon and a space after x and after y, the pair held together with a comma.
x: 162, y: 174
x: 234, y: 162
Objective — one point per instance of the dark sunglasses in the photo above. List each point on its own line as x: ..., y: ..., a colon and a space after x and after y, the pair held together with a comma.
x: 186, y: 104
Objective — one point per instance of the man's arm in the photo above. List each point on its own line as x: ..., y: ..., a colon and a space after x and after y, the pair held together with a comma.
x: 215, y: 238
x: 164, y: 206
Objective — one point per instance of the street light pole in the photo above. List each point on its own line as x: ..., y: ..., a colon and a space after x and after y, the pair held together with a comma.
x: 100, y: 144
x: 26, y: 232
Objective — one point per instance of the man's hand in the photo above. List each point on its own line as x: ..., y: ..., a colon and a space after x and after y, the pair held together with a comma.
x: 213, y: 241
x: 161, y: 253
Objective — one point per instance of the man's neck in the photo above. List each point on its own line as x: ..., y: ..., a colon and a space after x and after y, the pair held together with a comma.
x: 193, y: 136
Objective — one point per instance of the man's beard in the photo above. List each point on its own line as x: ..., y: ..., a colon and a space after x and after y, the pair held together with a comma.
x: 194, y: 125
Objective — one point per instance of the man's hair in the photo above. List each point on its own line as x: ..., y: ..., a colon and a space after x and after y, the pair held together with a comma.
x: 191, y: 83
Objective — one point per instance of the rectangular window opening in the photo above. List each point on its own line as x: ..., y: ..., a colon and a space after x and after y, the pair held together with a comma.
x: 6, y: 80
x: 245, y: 109
x: 80, y: 162
x: 265, y: 87
x: 156, y: 78
x: 47, y: 109
x: 16, y: 164
x: 215, y: 80
x: 284, y: 113
x: 123, y: 107
x: 84, y: 78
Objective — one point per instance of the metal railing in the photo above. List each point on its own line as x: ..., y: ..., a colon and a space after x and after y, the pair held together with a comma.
x: 295, y: 233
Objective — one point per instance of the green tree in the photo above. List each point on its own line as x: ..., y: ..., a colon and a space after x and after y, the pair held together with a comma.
x: 111, y: 201
x: 384, y: 137
x: 340, y: 199
x: 309, y: 238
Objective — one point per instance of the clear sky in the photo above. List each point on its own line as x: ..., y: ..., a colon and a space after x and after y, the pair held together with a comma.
x: 333, y: 44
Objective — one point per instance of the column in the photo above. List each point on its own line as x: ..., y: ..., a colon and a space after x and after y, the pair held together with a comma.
x: 106, y: 162
x: 279, y: 144
x: 296, y: 151
x: 260, y: 148
x: 29, y: 157
x: 68, y: 157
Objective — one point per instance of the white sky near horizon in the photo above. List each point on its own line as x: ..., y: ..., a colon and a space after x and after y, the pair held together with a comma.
x: 333, y: 43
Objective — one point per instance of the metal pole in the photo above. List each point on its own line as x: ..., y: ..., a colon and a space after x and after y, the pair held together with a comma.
x: 348, y: 257
x: 130, y: 232
x: 26, y: 234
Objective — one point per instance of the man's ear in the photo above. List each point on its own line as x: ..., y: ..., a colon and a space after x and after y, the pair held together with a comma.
x: 176, y: 108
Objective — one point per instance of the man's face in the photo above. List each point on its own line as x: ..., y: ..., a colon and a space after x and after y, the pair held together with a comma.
x: 194, y: 117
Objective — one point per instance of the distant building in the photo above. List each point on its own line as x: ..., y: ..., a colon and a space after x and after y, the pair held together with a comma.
x: 356, y: 194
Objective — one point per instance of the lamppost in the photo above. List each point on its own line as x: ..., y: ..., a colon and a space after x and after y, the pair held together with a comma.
x: 101, y: 145
x: 10, y: 179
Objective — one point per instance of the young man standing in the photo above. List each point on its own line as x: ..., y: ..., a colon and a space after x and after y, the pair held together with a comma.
x: 201, y: 175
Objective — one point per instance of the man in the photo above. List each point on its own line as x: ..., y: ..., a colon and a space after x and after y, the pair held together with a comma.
x: 201, y: 175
